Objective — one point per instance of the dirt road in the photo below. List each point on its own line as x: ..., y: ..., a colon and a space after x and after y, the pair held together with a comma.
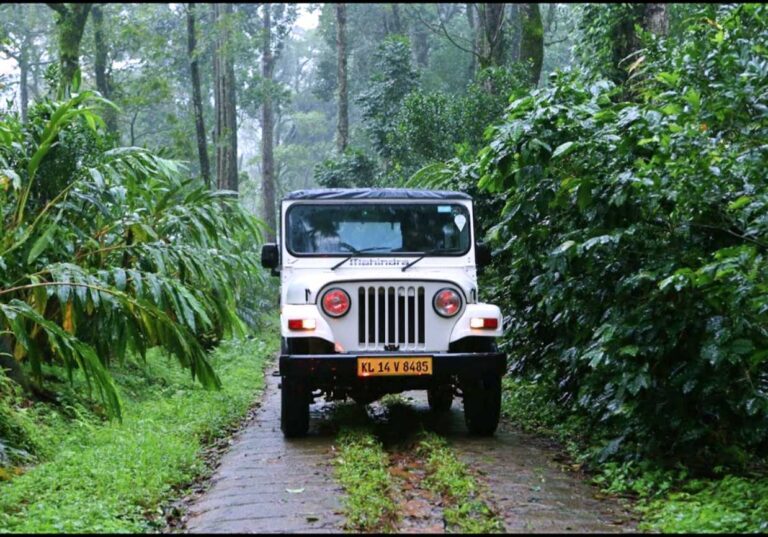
x: 267, y: 484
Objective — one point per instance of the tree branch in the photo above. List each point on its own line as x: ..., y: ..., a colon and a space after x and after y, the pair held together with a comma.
x: 444, y: 31
x: 556, y: 42
x: 8, y: 53
x: 59, y: 8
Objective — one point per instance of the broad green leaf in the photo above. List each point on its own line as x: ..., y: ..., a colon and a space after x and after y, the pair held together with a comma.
x: 563, y: 149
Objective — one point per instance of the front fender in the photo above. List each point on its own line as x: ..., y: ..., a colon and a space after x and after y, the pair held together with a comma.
x: 463, y: 329
x: 305, y: 311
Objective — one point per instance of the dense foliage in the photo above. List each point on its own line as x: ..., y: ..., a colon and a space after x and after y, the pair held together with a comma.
x: 108, y: 250
x: 101, y: 477
x: 633, y: 242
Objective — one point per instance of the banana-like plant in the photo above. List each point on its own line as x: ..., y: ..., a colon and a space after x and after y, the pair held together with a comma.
x: 105, y: 251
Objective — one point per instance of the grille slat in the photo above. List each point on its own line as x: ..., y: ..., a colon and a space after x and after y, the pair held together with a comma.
x: 391, y: 316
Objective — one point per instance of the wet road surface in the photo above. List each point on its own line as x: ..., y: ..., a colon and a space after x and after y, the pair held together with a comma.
x: 267, y: 484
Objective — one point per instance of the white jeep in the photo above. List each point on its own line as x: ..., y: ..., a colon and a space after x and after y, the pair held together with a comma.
x: 378, y: 294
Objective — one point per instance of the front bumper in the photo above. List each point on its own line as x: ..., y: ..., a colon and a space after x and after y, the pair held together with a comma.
x: 343, y: 367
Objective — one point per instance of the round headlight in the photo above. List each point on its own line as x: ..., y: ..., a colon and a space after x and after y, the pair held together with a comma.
x: 336, y: 302
x: 447, y: 302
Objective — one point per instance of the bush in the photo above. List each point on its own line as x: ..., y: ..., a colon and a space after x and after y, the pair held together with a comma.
x: 107, y: 250
x: 632, y: 243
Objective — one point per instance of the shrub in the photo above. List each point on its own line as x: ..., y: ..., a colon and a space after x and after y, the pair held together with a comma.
x: 107, y: 250
x: 633, y: 239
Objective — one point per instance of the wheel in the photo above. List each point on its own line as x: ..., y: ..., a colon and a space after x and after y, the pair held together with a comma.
x: 482, y: 404
x: 294, y: 408
x: 440, y: 398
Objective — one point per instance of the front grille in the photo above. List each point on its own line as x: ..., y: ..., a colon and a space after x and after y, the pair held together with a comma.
x: 391, y: 316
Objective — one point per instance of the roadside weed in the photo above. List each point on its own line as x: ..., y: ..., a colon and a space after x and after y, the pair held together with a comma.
x: 451, y: 478
x: 362, y: 469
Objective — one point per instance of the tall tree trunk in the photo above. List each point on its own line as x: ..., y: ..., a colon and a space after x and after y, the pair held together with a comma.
x: 197, y: 100
x: 551, y: 15
x: 34, y: 80
x: 225, y: 101
x: 70, y: 25
x: 656, y: 19
x: 491, y: 18
x: 652, y: 17
x: 420, y: 39
x: 397, y: 22
x: 100, y: 65
x: 268, y: 127
x: 24, y: 77
x: 532, y: 40
x: 514, y: 35
x: 475, y: 40
x: 341, y: 50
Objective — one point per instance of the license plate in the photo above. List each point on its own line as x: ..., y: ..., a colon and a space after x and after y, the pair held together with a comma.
x: 375, y: 366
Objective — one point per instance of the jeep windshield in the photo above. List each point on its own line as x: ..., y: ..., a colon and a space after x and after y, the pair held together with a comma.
x: 376, y: 229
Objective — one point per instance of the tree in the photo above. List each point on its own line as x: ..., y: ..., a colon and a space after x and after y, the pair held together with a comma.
x: 492, y: 50
x: 70, y: 24
x: 100, y: 64
x: 531, y: 39
x: 19, y: 51
x: 267, y: 126
x: 609, y: 37
x: 393, y: 79
x: 225, y: 100
x: 276, y: 23
x: 341, y: 50
x: 656, y: 18
x: 197, y: 101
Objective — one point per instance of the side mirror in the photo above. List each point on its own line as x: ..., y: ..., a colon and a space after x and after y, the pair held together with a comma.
x: 482, y: 255
x: 270, y: 256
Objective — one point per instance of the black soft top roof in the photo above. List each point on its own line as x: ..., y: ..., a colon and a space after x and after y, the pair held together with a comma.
x: 375, y: 193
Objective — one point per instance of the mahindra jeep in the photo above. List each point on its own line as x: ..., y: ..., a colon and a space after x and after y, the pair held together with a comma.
x: 378, y: 295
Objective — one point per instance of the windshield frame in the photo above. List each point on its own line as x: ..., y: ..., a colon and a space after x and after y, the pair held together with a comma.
x: 468, y: 207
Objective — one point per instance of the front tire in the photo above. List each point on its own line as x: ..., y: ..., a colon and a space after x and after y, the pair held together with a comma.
x: 482, y: 404
x: 294, y: 408
x: 440, y: 398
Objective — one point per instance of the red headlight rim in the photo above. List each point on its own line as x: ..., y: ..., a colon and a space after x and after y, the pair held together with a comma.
x: 437, y: 295
x: 346, y: 297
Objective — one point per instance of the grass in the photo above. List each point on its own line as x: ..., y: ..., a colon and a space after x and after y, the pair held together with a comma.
x: 450, y: 478
x: 668, y: 500
x: 101, y: 476
x: 732, y: 504
x: 362, y: 469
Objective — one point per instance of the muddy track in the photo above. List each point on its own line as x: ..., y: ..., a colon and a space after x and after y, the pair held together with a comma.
x: 267, y: 484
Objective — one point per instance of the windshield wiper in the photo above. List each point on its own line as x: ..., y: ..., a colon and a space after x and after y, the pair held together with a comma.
x: 355, y: 253
x: 422, y: 256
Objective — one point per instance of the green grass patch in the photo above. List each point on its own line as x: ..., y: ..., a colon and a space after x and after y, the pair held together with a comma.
x: 362, y: 469
x: 101, y: 476
x: 728, y: 505
x: 668, y: 500
x: 465, y: 511
x: 525, y: 404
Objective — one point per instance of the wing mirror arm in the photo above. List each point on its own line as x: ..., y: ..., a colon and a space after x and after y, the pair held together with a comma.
x: 482, y: 254
x: 270, y: 257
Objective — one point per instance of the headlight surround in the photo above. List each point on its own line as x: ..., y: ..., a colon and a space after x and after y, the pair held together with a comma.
x: 336, y: 302
x: 447, y: 302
